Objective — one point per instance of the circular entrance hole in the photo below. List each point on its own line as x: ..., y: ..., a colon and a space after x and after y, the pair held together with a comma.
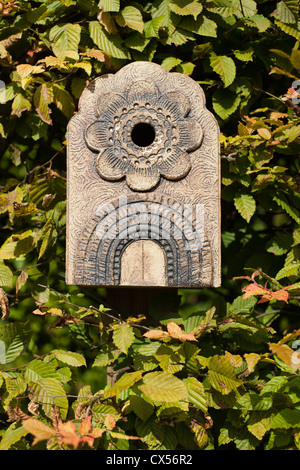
x: 143, y: 134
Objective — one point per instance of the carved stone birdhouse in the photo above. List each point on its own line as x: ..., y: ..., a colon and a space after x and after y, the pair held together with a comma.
x: 143, y: 182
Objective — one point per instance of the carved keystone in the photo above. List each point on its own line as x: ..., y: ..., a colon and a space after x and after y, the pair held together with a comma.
x: 143, y: 182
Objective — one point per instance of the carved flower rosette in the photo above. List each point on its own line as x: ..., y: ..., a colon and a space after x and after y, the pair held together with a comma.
x: 143, y: 134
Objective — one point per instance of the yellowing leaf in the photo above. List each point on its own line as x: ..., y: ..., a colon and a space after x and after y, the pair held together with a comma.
x: 124, y: 383
x: 24, y: 70
x: 123, y: 337
x: 162, y: 386
x: 156, y: 334
x: 176, y: 332
x: 221, y: 375
x: 245, y: 204
x: 42, y: 99
x: 251, y: 359
x: 38, y: 429
x: 20, y: 104
x: 290, y: 357
x: 65, y: 40
x: 6, y: 275
x: 235, y: 359
x: 264, y: 133
x: 95, y: 54
x: 186, y: 7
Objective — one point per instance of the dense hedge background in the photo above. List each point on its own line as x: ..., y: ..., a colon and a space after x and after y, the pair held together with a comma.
x: 223, y: 372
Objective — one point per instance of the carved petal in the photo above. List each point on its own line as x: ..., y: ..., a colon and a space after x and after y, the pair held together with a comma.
x: 110, y: 105
x: 142, y: 179
x: 176, y: 165
x: 96, y: 135
x: 176, y: 102
x: 109, y: 166
x: 190, y: 134
x: 142, y: 91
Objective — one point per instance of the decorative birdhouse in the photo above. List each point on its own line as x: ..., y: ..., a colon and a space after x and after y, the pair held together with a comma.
x: 143, y: 182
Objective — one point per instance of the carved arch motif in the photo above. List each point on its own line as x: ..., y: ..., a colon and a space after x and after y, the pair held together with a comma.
x: 159, y: 218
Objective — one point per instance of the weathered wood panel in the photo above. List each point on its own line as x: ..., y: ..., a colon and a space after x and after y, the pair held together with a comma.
x: 143, y: 164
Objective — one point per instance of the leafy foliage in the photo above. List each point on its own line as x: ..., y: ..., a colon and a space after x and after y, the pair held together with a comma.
x: 223, y: 371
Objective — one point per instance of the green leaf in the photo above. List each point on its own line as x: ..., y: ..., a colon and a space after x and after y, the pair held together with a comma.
x: 196, y: 393
x: 17, y: 245
x: 38, y: 369
x: 162, y: 386
x: 68, y: 357
x: 260, y: 22
x: 170, y: 62
x: 65, y: 40
x: 153, y: 26
x: 283, y: 202
x: 244, y: 55
x: 131, y: 17
x: 49, y: 392
x: 221, y: 375
x: 225, y: 8
x: 63, y: 100
x: 6, y: 275
x: 20, y: 104
x: 124, y: 383
x: 41, y: 187
x: 142, y: 408
x: 186, y: 7
x: 287, y: 11
x: 292, y: 269
x: 259, y: 423
x: 274, y: 385
x: 203, y: 26
x: 245, y: 204
x: 13, y: 434
x: 161, y: 8
x: 15, y: 387
x: 225, y: 103
x: 111, y: 44
x: 286, y: 419
x: 289, y: 29
x: 14, y: 338
x: 123, y: 337
x: 109, y: 5
x: 248, y: 8
x: 223, y: 66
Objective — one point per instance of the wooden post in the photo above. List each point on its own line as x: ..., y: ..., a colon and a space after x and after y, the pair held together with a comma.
x: 146, y: 301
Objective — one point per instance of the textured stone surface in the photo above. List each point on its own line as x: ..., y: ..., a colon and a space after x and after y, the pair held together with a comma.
x: 143, y: 164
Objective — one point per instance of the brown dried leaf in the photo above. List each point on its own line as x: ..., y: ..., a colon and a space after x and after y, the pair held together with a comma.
x: 106, y: 19
x: 176, y: 332
x: 22, y: 278
x: 156, y: 334
x: 33, y: 408
x: 47, y: 199
x: 4, y: 304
